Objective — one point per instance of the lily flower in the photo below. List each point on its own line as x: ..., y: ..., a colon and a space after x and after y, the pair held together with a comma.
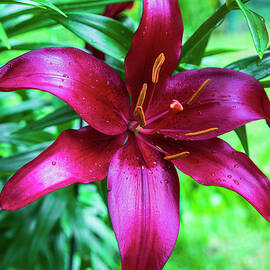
x: 173, y: 120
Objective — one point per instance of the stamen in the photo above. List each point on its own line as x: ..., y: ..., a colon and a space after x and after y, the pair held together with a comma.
x: 198, y: 92
x: 174, y: 108
x: 157, y: 66
x: 140, y: 116
x: 177, y: 156
x: 201, y: 132
x: 141, y: 97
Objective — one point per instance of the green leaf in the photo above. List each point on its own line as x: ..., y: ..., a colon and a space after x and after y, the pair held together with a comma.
x: 22, y: 107
x: 51, y: 6
x: 242, y: 135
x: 195, y: 54
x: 253, y: 65
x: 219, y: 51
x: 265, y: 84
x: 59, y: 116
x: 204, y: 30
x: 4, y: 37
x: 257, y: 27
x: 16, y: 161
x: 105, y: 34
x: 37, y: 3
x: 21, y: 45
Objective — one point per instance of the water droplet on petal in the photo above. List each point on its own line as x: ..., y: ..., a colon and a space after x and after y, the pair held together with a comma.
x: 229, y: 176
x: 236, y: 166
x: 236, y: 182
x: 53, y: 163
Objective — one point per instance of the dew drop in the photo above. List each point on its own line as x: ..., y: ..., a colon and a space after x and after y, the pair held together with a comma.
x: 166, y: 181
x: 90, y: 171
x: 53, y: 163
x: 236, y: 182
x: 229, y: 176
x: 212, y: 174
x: 236, y: 166
x: 142, y: 167
x: 199, y: 113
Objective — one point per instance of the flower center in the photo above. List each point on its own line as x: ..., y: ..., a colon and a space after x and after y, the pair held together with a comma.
x: 163, y: 118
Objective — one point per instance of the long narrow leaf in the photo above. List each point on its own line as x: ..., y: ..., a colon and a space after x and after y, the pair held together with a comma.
x: 253, y: 65
x: 60, y: 116
x: 257, y: 27
x: 242, y: 135
x: 104, y: 34
x: 204, y: 30
x: 4, y: 37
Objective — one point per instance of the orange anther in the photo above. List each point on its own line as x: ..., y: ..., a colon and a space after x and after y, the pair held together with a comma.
x: 198, y: 92
x: 177, y: 156
x: 201, y: 132
x: 141, y: 97
x: 140, y: 116
x: 157, y: 66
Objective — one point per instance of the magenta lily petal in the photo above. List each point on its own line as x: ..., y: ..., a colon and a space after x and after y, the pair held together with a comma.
x: 77, y: 156
x: 215, y: 163
x: 93, y: 89
x: 230, y: 100
x: 160, y: 31
x: 143, y: 202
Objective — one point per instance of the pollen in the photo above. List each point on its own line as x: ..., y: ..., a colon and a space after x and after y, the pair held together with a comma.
x: 177, y: 156
x: 157, y: 66
x: 201, y: 132
x: 198, y: 92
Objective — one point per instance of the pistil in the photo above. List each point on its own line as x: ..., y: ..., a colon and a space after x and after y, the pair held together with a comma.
x: 174, y: 108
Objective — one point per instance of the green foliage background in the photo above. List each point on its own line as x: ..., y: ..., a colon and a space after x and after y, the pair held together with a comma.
x: 219, y: 229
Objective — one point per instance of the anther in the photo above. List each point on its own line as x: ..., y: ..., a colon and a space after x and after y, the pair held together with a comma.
x: 140, y: 116
x: 198, y: 92
x: 201, y: 132
x: 177, y: 156
x: 157, y: 66
x: 141, y: 97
